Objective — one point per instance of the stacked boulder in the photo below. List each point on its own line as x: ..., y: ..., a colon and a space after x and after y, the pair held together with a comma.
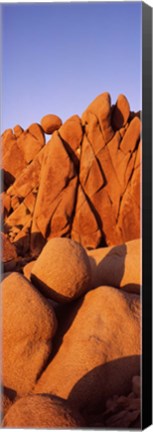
x: 71, y: 254
x: 83, y: 184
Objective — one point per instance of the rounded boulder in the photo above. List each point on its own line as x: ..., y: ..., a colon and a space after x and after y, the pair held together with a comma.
x: 42, y: 411
x: 62, y: 271
x: 50, y: 123
x: 28, y: 324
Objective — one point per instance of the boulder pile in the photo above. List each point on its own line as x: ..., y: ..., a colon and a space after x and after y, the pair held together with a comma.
x: 71, y: 282
x: 83, y: 184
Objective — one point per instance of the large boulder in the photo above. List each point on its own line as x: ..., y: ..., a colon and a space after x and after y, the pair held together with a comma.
x: 117, y: 266
x: 25, y: 145
x: 62, y: 270
x: 42, y: 411
x: 100, y: 350
x: 109, y: 176
x: 29, y: 324
x: 72, y: 133
x: 55, y: 203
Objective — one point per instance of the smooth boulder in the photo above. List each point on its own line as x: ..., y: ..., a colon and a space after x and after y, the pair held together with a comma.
x: 50, y: 123
x: 100, y: 350
x: 28, y: 325
x: 42, y: 411
x: 62, y: 270
x: 117, y: 266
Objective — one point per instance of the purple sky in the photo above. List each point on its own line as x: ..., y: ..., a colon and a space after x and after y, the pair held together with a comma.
x: 56, y: 58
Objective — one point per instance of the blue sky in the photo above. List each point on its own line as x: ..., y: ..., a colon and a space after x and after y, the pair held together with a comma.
x: 56, y: 58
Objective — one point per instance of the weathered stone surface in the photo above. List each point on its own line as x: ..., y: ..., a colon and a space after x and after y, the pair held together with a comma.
x: 101, y: 107
x: 85, y: 222
x: 54, y: 210
x: 42, y: 411
x: 108, y: 180
x: 117, y: 266
x: 29, y: 325
x: 5, y: 204
x: 7, y: 398
x: 9, y: 254
x: 19, y: 149
x: 50, y: 123
x: 100, y: 350
x: 62, y: 270
x: 121, y: 112
x: 31, y: 141
x: 72, y: 133
x: 122, y: 412
x: 84, y: 184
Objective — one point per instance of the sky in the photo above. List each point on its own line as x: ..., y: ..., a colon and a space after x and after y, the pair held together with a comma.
x: 57, y: 57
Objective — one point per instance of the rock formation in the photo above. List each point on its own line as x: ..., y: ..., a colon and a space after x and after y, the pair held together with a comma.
x: 71, y: 282
x: 84, y: 184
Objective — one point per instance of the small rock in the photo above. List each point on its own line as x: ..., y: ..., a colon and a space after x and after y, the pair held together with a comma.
x: 18, y: 130
x: 50, y: 123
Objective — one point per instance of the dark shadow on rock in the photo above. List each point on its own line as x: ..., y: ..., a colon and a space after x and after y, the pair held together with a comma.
x: 110, y: 269
x: 8, y: 397
x: 65, y: 314
x: 117, y: 119
x: 131, y: 288
x: 8, y: 179
x: 92, y: 391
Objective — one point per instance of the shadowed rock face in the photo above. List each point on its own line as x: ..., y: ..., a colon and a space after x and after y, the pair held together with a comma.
x: 100, y: 351
x: 84, y: 184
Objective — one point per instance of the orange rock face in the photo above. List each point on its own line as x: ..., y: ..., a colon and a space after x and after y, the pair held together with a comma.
x: 100, y: 352
x: 42, y: 411
x: 118, y: 266
x: 53, y: 274
x: 84, y: 184
x: 71, y: 212
x: 29, y: 325
x: 50, y: 123
x: 9, y: 254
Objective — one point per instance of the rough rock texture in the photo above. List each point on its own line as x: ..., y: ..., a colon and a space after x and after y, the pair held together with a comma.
x: 8, y: 253
x: 117, y: 266
x: 42, y: 411
x: 109, y: 178
x: 71, y: 222
x: 53, y: 211
x: 29, y: 325
x: 62, y: 270
x: 50, y: 123
x: 121, y: 412
x: 20, y: 148
x: 100, y: 350
x: 84, y: 184
x: 8, y: 397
